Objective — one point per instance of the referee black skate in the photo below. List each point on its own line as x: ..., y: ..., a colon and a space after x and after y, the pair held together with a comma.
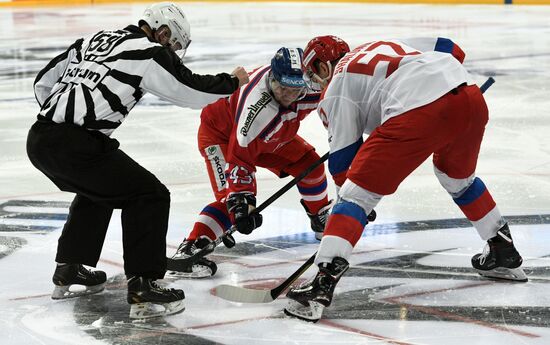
x: 84, y: 94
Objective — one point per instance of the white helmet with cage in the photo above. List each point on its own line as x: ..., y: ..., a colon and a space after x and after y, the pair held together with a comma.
x: 171, y: 15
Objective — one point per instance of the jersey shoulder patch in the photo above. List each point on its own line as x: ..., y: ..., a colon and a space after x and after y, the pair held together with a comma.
x: 259, y: 110
x: 252, y: 111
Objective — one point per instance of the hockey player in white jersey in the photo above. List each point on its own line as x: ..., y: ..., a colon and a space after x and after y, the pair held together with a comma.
x: 413, y: 99
x: 84, y: 94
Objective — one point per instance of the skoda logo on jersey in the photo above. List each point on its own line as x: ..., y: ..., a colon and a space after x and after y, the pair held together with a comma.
x: 220, y: 172
x: 217, y: 161
x: 211, y: 150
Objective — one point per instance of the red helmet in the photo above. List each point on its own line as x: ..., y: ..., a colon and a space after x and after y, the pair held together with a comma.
x: 324, y: 48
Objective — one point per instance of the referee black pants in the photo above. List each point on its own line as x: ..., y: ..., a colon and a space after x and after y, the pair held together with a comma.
x: 103, y: 177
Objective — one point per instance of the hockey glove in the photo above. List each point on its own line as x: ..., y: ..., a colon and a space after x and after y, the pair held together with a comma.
x: 372, y: 216
x: 241, y: 207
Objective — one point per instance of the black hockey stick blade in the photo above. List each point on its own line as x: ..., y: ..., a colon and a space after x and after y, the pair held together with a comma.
x: 246, y: 295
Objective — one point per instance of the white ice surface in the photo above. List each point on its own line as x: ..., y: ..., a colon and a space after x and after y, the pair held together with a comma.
x: 510, y: 42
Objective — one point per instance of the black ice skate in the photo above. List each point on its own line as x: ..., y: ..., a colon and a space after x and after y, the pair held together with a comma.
x: 185, y: 264
x: 500, y: 258
x: 147, y: 299
x: 308, y: 300
x: 318, y: 220
x: 74, y: 280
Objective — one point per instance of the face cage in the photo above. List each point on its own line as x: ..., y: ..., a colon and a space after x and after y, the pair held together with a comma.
x: 314, y: 81
x: 311, y: 81
x: 174, y: 43
x: 271, y: 82
x: 179, y: 51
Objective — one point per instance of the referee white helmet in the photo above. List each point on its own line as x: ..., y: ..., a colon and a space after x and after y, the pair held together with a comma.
x: 171, y: 15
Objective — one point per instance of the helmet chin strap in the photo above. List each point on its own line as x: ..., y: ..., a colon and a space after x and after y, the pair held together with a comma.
x: 160, y: 34
x: 181, y: 53
x: 326, y: 80
x: 323, y: 82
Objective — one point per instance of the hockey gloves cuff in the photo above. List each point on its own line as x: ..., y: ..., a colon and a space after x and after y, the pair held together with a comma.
x: 241, y: 209
x: 372, y: 216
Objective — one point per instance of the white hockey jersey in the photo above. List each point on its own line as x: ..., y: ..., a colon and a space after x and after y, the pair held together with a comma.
x: 380, y: 80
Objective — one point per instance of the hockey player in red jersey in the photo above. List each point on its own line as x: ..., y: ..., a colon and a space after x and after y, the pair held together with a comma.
x: 413, y: 98
x: 256, y: 127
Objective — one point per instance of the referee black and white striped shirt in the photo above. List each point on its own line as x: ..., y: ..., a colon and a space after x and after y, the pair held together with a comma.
x: 98, y: 80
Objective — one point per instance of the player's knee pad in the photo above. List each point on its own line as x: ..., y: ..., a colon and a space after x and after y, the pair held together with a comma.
x: 454, y: 186
x: 356, y: 194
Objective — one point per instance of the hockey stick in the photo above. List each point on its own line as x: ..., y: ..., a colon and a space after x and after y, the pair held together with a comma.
x: 246, y: 295
x: 291, y: 184
x: 181, y: 264
x: 487, y: 84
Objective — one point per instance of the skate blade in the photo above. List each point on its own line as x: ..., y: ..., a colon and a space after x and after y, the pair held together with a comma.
x: 75, y: 290
x: 149, y: 310
x: 514, y: 274
x: 311, y: 313
x: 204, y: 272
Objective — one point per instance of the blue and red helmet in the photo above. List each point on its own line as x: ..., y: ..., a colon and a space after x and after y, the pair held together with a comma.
x: 286, y: 67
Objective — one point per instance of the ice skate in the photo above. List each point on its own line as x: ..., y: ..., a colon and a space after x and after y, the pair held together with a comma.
x: 308, y: 300
x: 147, y: 299
x: 500, y: 258
x: 74, y: 280
x: 319, y: 219
x: 184, y: 265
